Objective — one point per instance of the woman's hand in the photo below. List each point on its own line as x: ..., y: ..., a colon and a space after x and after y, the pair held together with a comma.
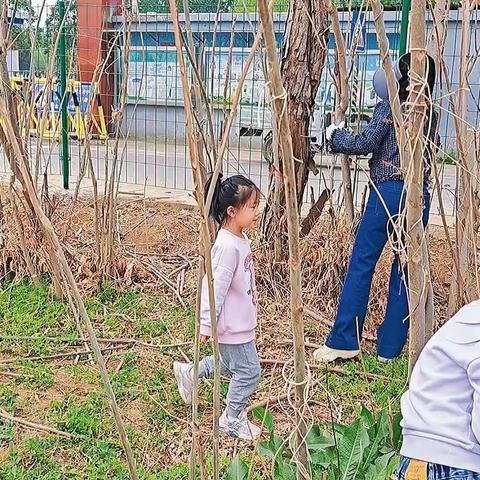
x: 204, y: 338
x: 331, y: 128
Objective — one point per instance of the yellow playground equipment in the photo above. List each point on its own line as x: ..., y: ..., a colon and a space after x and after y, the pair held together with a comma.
x: 44, y: 102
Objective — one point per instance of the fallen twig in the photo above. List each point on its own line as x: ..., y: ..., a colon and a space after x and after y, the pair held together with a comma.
x: 320, y: 318
x: 189, y: 260
x: 272, y: 400
x: 159, y: 347
x: 13, y: 375
x: 307, y: 344
x: 34, y: 426
x: 58, y: 356
x: 182, y: 282
x: 267, y: 401
x: 79, y: 341
x: 159, y: 274
x: 371, y: 376
x: 120, y: 365
x: 179, y: 269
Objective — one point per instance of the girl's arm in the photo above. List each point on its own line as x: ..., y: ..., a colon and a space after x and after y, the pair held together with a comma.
x: 367, y: 141
x: 224, y: 264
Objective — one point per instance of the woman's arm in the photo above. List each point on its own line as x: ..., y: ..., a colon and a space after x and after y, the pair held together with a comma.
x: 367, y: 141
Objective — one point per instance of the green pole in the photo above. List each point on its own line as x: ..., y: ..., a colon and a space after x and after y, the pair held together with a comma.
x: 406, y: 4
x: 64, y: 95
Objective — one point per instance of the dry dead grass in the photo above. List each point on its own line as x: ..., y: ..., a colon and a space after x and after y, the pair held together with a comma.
x: 166, y: 235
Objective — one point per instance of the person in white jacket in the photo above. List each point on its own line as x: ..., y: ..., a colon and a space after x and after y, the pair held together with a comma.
x: 441, y: 409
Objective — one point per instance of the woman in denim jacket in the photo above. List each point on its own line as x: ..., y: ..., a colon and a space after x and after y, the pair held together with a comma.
x: 386, y: 202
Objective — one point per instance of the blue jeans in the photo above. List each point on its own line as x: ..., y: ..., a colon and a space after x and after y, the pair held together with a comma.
x: 371, y: 238
x: 438, y: 472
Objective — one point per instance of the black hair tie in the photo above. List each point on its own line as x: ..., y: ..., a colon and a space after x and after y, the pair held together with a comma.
x: 227, y: 182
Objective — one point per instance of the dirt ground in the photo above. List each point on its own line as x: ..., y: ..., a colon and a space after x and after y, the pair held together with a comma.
x: 151, y: 298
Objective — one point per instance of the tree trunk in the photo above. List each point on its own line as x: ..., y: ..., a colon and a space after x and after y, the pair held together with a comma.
x: 304, y: 52
x: 416, y: 111
x: 280, y: 117
x: 465, y: 284
x: 341, y: 105
x: 436, y: 43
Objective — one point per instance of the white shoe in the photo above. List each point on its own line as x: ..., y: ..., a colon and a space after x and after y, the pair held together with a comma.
x: 384, y: 359
x: 239, y: 427
x: 184, y: 375
x: 327, y: 354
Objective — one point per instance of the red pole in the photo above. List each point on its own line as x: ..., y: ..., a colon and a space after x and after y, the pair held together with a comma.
x: 92, y: 21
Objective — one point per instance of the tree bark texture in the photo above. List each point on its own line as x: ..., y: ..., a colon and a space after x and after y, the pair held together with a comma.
x: 303, y: 58
x: 280, y: 116
x: 415, y: 115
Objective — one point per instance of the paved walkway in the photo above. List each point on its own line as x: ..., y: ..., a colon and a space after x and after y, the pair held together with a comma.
x: 168, y: 195
x: 158, y: 169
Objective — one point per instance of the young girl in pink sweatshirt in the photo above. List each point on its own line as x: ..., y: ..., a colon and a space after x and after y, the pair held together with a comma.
x: 235, y: 208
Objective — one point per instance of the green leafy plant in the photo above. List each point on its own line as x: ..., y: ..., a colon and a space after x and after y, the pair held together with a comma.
x: 237, y: 470
x: 364, y: 450
x: 7, y: 432
x: 449, y: 158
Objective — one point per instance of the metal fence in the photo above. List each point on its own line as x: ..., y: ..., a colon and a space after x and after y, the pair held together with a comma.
x: 153, y: 146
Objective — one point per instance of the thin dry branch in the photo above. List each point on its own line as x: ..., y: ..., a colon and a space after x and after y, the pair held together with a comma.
x: 193, y: 136
x: 338, y: 370
x: 233, y: 113
x: 416, y: 112
x: 58, y: 356
x: 33, y: 426
x: 390, y: 75
x: 314, y: 213
x: 343, y: 94
x: 21, y: 236
x: 274, y: 399
x: 80, y: 341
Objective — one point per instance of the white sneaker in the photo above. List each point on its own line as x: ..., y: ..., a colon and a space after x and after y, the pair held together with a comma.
x: 327, y: 354
x: 384, y: 359
x: 184, y: 375
x: 239, y: 427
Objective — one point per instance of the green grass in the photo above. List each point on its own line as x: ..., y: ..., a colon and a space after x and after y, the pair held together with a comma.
x: 125, y: 381
x: 95, y: 453
x: 73, y: 399
x: 35, y: 375
x: 26, y: 310
x: 353, y: 388
x: 7, y: 397
x: 81, y: 417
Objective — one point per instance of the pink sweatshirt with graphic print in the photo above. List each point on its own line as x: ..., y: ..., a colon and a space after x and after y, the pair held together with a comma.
x: 235, y: 291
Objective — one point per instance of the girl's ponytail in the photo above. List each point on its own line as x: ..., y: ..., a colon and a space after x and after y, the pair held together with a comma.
x: 234, y: 191
x: 215, y: 207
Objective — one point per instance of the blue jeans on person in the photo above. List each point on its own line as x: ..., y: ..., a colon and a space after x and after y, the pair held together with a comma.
x: 376, y: 226
x: 437, y: 472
